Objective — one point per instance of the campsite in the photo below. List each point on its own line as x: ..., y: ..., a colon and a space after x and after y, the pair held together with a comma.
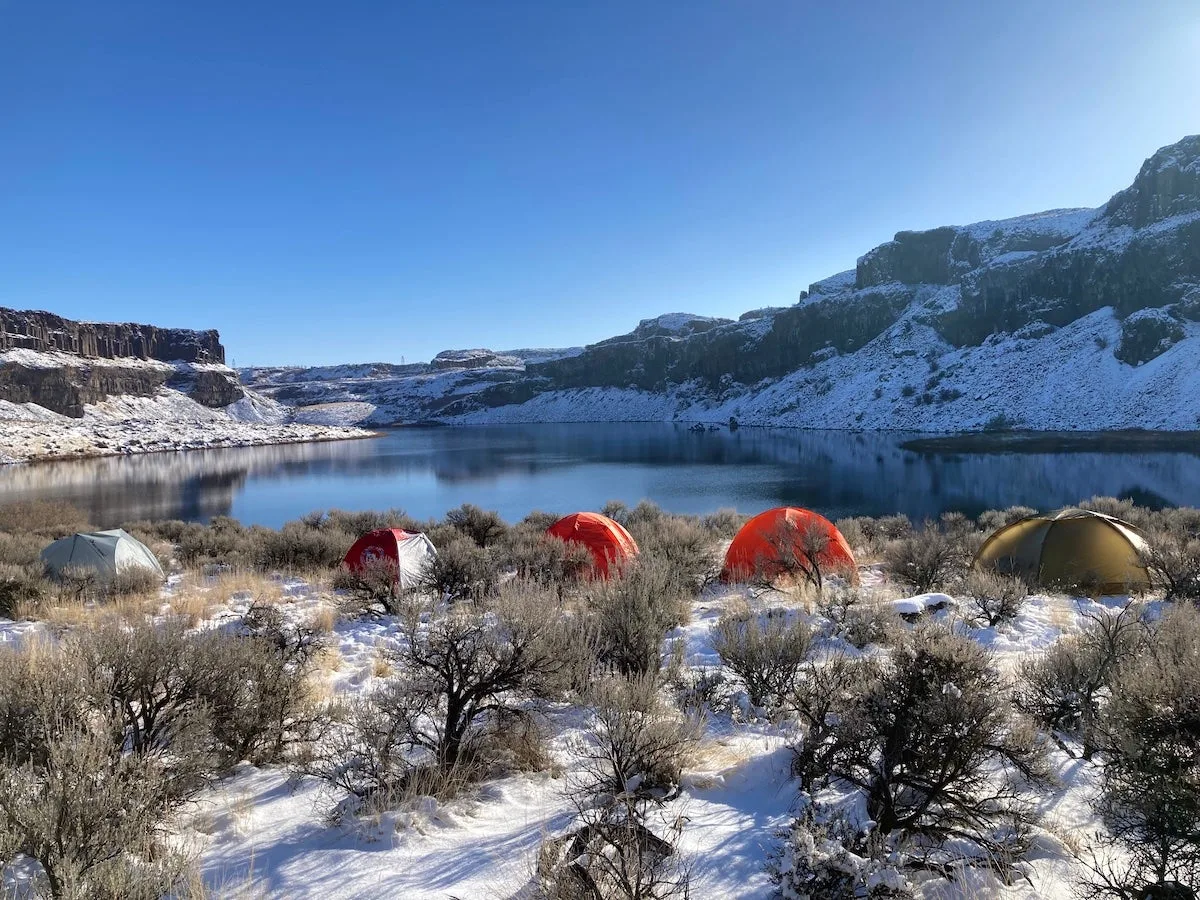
x: 362, y: 704
x: 539, y: 450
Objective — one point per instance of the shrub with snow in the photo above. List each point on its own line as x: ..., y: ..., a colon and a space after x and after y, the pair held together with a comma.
x: 993, y: 598
x: 765, y: 652
x: 933, y: 705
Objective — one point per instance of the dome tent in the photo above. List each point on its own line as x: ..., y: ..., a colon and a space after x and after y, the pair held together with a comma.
x: 107, y: 553
x: 606, y: 540
x: 1072, y: 550
x: 768, y: 546
x: 409, y: 552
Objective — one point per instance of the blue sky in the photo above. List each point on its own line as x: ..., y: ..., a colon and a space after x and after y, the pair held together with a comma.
x: 352, y: 181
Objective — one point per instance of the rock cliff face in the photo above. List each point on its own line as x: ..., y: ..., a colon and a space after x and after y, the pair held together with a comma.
x: 95, y: 361
x: 68, y: 389
x: 46, y: 332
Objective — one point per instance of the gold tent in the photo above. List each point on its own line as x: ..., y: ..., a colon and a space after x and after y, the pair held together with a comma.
x: 1072, y: 550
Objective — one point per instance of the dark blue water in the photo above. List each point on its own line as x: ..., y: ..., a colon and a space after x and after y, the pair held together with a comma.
x: 562, y: 468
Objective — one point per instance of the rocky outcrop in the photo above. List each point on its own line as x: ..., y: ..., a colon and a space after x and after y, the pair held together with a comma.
x: 46, y: 332
x: 913, y: 257
x: 208, y: 387
x: 472, y: 359
x: 1167, y: 185
x: 1146, y: 334
x: 68, y: 389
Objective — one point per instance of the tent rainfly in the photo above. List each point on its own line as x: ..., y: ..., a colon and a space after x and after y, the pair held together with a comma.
x: 1072, y: 550
x: 408, y: 552
x: 106, y: 553
x: 771, y: 544
x: 605, y: 539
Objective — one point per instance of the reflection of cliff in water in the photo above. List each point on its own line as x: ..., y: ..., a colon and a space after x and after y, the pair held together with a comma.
x: 841, y: 473
x: 193, y: 485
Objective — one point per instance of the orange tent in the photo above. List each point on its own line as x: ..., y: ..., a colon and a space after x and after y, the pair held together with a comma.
x: 761, y: 547
x: 607, y: 541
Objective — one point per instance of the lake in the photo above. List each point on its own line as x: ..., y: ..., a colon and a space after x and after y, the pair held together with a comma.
x: 563, y: 468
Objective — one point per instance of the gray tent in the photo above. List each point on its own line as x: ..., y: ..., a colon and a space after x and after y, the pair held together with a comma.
x: 104, y: 552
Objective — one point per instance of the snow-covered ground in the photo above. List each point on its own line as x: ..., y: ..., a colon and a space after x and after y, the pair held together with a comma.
x: 260, y: 833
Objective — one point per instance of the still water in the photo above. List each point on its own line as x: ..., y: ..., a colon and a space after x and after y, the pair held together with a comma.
x: 562, y: 468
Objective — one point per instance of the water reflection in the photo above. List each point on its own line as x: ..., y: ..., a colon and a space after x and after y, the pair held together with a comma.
x: 561, y: 467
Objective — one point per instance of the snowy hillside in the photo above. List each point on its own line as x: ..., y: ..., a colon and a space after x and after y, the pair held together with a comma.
x: 100, y: 406
x: 1083, y: 319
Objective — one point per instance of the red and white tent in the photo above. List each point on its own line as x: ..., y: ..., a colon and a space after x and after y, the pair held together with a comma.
x: 409, y: 553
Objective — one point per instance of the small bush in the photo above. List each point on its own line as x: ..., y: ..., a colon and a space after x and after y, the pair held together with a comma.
x: 869, y: 624
x: 71, y: 798
x: 928, y: 559
x: 1173, y: 562
x: 724, y: 523
x: 995, y: 598
x: 462, y: 570
x: 484, y: 527
x: 538, y: 521
x: 995, y: 519
x: 633, y: 614
x: 133, y: 582
x: 616, y: 510
x: 21, y: 588
x: 766, y: 653
x: 645, y: 513
x: 933, y: 705
x: 623, y: 845
x: 21, y: 549
x: 1063, y: 689
x: 678, y: 544
x: 1126, y: 510
x: 46, y: 518
x: 825, y: 855
x: 1150, y: 796
x: 296, y: 548
x: 369, y: 587
x: 639, y: 744
x: 537, y: 556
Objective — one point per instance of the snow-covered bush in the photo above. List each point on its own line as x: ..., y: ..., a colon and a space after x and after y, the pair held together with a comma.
x: 933, y: 704
x: 72, y: 798
x: 639, y: 743
x: 995, y: 598
x: 1150, y: 797
x: 1064, y: 688
x: 459, y: 675
x: 765, y: 652
x: 210, y: 699
x: 620, y: 850
x: 621, y: 844
x: 824, y: 855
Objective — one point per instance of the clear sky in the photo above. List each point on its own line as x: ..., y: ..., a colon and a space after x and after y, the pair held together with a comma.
x: 354, y: 181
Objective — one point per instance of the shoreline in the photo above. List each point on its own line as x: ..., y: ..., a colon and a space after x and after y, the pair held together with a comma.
x: 95, y: 445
